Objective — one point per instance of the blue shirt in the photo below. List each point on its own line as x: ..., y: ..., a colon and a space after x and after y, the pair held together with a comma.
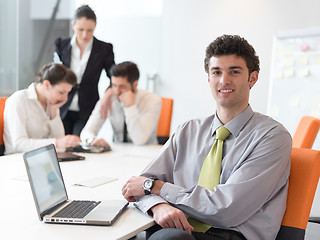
x: 251, y: 197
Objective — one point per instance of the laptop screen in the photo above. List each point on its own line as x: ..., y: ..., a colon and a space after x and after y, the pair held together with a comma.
x: 45, y: 178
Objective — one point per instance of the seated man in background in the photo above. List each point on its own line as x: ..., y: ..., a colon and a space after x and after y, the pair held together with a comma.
x: 133, y: 112
x: 228, y: 172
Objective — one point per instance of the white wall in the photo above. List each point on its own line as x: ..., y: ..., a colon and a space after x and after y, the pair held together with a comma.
x: 188, y: 28
x: 176, y: 50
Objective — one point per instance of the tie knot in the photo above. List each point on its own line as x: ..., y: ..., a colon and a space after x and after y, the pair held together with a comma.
x: 222, y: 133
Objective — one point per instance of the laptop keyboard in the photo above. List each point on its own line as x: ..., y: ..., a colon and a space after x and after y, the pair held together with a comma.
x: 77, y: 209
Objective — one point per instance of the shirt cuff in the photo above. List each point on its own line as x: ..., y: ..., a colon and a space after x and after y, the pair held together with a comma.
x: 145, y: 203
x: 170, y: 192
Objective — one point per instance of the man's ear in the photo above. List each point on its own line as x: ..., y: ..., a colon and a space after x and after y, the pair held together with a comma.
x: 253, y: 78
x: 135, y: 85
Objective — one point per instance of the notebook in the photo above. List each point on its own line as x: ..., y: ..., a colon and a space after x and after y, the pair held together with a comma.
x: 50, y: 195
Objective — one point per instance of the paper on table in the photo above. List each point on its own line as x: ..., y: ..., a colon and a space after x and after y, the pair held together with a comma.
x: 95, y: 182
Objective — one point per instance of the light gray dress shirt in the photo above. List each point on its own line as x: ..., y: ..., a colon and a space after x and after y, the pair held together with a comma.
x: 251, y: 196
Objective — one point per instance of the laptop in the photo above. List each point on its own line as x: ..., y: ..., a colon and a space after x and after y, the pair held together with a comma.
x: 50, y: 195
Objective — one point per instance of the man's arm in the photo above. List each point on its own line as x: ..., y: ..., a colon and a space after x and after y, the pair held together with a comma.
x: 142, y: 120
x: 164, y: 214
x: 93, y: 124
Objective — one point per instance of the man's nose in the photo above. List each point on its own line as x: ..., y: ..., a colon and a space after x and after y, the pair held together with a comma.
x: 224, y: 79
x: 116, y: 91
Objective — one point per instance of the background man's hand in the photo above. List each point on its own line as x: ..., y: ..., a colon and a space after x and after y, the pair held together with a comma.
x: 106, y: 103
x: 100, y: 142
x: 127, y: 98
x: 68, y: 141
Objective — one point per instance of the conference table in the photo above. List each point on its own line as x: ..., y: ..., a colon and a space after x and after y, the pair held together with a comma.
x: 19, y: 219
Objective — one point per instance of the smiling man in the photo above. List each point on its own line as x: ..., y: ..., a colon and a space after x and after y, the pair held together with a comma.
x: 209, y: 183
x: 133, y: 112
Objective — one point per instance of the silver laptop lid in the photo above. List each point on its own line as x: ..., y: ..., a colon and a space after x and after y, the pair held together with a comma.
x: 45, y: 179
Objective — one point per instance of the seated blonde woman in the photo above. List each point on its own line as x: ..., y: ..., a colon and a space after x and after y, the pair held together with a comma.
x: 31, y: 116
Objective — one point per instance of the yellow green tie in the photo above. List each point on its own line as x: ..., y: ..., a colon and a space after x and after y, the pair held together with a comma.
x: 210, y: 172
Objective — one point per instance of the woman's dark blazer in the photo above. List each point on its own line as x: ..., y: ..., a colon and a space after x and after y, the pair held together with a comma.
x: 101, y: 57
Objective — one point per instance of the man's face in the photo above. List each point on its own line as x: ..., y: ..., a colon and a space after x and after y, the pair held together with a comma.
x: 230, y: 82
x: 121, y: 85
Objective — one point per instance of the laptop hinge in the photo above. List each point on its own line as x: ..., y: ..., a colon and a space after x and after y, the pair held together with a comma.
x: 52, y: 209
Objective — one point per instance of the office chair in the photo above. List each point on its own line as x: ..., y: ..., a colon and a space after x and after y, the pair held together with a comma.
x: 2, y: 104
x: 303, y: 181
x: 306, y: 132
x: 164, y: 122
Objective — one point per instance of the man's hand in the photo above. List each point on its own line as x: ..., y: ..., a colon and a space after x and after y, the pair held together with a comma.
x: 128, y: 98
x: 68, y: 141
x: 106, y: 103
x: 170, y: 217
x: 133, y: 188
x: 100, y: 142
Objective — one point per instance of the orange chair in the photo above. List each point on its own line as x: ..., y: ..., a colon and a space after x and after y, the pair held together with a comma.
x: 164, y: 122
x: 306, y: 132
x: 303, y: 181
x: 2, y: 103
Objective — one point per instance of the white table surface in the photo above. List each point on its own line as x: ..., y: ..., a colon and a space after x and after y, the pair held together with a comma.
x: 19, y: 218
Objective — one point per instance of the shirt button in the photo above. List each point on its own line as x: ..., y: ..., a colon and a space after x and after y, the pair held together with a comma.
x: 167, y: 196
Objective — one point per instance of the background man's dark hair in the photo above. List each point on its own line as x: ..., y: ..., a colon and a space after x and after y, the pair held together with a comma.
x: 232, y: 44
x: 126, y: 69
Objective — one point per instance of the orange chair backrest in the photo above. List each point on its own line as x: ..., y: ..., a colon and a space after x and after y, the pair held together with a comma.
x: 2, y: 104
x: 306, y: 132
x: 164, y: 122
x: 303, y: 181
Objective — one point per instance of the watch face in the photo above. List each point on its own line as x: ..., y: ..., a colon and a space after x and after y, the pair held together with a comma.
x: 148, y: 184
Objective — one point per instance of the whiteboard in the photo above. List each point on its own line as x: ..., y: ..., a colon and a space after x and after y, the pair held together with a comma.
x: 295, y: 78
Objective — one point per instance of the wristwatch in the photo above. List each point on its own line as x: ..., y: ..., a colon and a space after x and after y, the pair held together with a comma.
x: 147, y: 185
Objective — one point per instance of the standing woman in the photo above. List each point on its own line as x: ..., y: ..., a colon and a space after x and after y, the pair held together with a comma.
x: 31, y: 116
x: 87, y: 57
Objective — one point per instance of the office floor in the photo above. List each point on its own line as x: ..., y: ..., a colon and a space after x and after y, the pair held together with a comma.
x: 312, y: 233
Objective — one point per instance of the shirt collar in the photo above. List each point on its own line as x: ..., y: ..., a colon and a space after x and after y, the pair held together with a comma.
x: 32, y: 94
x: 236, y: 124
x: 74, y: 44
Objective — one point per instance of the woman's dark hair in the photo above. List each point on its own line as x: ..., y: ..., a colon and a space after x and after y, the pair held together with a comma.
x: 126, y: 69
x: 232, y: 44
x: 56, y: 73
x: 85, y: 11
